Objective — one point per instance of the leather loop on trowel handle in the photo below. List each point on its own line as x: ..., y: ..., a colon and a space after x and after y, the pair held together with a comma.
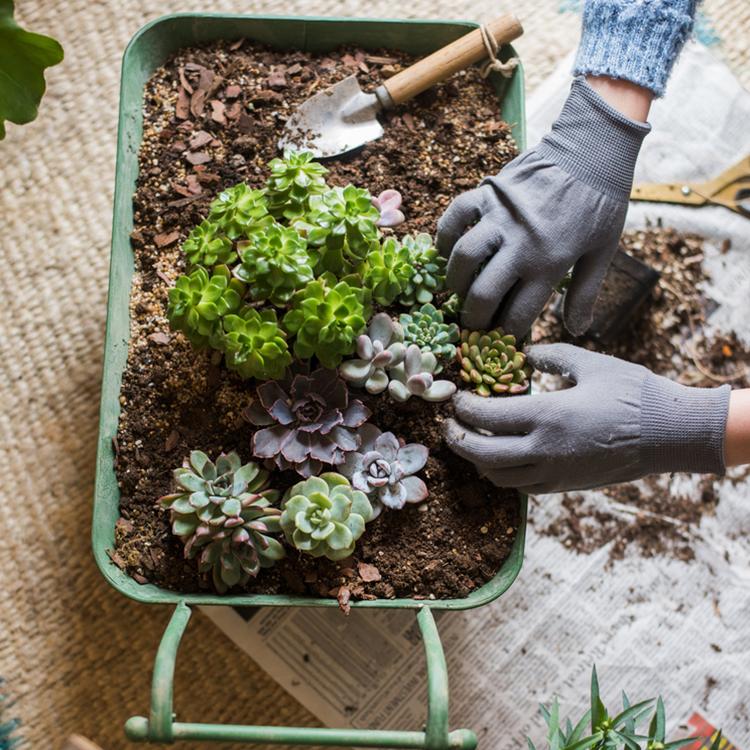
x: 445, y: 62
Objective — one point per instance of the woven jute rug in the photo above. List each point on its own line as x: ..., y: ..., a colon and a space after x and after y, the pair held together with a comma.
x: 76, y: 654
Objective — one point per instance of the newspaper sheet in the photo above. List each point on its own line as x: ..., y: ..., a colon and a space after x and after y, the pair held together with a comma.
x: 650, y: 625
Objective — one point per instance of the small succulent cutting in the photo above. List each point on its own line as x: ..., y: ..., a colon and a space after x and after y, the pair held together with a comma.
x: 428, y: 266
x: 293, y: 180
x: 387, y: 270
x: 311, y: 423
x: 491, y: 364
x: 388, y: 204
x: 425, y: 327
x: 415, y: 376
x: 255, y: 346
x: 378, y: 350
x: 223, y: 513
x: 239, y: 211
x: 384, y: 468
x: 326, y: 317
x: 198, y: 302
x: 206, y: 246
x: 324, y: 516
x: 274, y: 264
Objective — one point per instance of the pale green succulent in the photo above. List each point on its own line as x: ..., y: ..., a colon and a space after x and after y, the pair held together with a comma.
x: 239, y: 211
x: 425, y: 327
x: 255, y: 345
x: 387, y: 270
x: 491, y: 363
x: 428, y: 267
x: 293, y: 180
x: 207, y: 245
x: 324, y: 516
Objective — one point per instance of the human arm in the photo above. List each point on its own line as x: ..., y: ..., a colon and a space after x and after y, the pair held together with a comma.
x: 737, y: 440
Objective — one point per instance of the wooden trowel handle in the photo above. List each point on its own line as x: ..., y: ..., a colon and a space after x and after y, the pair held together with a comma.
x: 446, y: 61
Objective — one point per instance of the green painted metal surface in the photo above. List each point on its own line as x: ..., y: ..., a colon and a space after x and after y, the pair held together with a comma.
x: 148, y: 49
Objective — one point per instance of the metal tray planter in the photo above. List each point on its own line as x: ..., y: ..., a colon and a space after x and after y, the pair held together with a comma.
x: 148, y: 50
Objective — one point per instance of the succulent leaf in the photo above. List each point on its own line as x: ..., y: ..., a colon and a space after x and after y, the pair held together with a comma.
x: 387, y: 270
x: 425, y: 327
x: 207, y: 245
x: 388, y: 204
x: 239, y: 211
x: 415, y: 377
x: 255, y: 345
x: 293, y: 180
x: 491, y: 364
x: 428, y: 266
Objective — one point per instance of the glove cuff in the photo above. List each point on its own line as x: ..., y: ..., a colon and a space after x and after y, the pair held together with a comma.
x: 594, y: 142
x: 683, y: 428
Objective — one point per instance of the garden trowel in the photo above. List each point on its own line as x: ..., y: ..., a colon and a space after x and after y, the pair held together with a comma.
x: 343, y: 117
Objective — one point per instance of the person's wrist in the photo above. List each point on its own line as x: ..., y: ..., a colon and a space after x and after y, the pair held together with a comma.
x: 628, y: 98
x: 737, y: 437
x: 683, y: 428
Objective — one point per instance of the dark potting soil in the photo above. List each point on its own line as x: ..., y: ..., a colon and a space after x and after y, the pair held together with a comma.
x: 212, y: 117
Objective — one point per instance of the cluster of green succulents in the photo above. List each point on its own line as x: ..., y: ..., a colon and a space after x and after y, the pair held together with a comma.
x: 425, y: 326
x: 428, y: 270
x: 491, y: 363
x: 224, y: 515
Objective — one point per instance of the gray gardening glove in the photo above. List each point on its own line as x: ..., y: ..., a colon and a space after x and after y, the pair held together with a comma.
x: 558, y: 205
x: 617, y: 423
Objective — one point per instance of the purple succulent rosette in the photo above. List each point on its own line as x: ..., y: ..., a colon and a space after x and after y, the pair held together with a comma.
x: 384, y: 467
x: 315, y: 423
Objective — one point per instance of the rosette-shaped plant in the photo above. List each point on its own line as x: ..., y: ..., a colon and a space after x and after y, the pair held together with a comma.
x: 341, y: 223
x: 223, y: 513
x: 310, y: 423
x: 384, y: 468
x: 206, y: 245
x: 255, y: 346
x: 379, y: 350
x: 491, y: 364
x: 324, y: 516
x: 239, y: 211
x: 428, y: 275
x: 425, y: 327
x: 293, y: 180
x: 198, y: 302
x: 387, y: 270
x: 327, y: 317
x: 415, y: 376
x: 275, y: 264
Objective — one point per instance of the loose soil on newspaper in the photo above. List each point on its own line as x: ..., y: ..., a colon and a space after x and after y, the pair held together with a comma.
x: 211, y: 119
x: 666, y: 335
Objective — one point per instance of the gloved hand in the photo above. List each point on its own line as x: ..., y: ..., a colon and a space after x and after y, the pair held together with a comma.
x: 617, y: 423
x: 560, y: 204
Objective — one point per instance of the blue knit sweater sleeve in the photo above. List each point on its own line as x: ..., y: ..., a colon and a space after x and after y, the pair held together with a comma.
x: 637, y: 40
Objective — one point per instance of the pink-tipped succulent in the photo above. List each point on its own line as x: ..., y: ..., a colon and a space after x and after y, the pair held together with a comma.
x: 379, y: 350
x: 389, y: 205
x: 384, y: 468
x: 311, y: 423
x: 415, y: 376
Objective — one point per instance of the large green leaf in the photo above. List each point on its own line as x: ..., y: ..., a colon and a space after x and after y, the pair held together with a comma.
x: 23, y: 58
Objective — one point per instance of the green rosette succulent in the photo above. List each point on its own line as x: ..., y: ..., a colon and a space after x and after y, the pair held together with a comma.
x: 274, y: 264
x: 293, y: 180
x: 324, y: 516
x: 239, y: 211
x: 327, y: 316
x: 224, y: 515
x: 425, y: 327
x: 342, y: 225
x: 491, y: 363
x: 206, y: 246
x: 198, y: 302
x: 428, y: 266
x: 255, y: 346
x: 387, y: 270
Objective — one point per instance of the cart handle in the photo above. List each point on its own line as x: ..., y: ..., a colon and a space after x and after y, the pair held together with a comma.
x: 161, y: 726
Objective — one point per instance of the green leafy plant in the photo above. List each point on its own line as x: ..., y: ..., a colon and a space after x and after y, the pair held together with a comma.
x: 425, y: 327
x: 324, y: 516
x: 274, y: 264
x: 428, y: 266
x: 239, y: 211
x: 327, y: 316
x: 255, y: 346
x: 223, y: 514
x: 24, y: 56
x: 452, y: 306
x: 307, y: 423
x: 415, y: 376
x: 198, y: 302
x: 598, y: 730
x: 491, y: 364
x: 341, y: 224
x: 206, y: 246
x: 387, y: 270
x: 293, y: 180
x: 379, y: 350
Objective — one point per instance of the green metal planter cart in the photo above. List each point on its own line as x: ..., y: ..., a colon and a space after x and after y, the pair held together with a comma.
x: 148, y: 50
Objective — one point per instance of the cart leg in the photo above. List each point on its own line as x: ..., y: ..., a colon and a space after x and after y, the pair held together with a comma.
x: 161, y: 726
